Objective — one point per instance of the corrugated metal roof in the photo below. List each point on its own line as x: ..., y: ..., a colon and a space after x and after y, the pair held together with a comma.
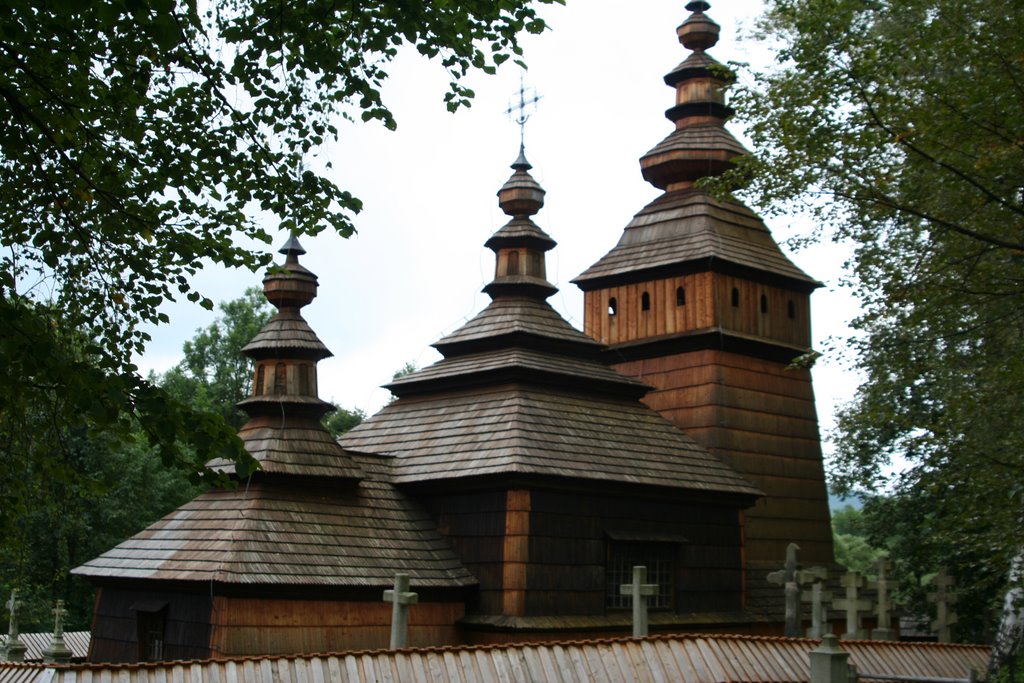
x: 681, y: 658
x: 35, y: 643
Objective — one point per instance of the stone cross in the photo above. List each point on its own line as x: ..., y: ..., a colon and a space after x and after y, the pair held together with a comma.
x: 15, y: 650
x: 787, y: 577
x: 400, y: 598
x: 943, y: 599
x: 884, y: 585
x: 57, y: 650
x: 817, y: 596
x: 638, y: 591
x: 852, y: 605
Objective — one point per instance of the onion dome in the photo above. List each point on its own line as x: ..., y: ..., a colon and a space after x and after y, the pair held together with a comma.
x: 700, y: 146
x: 520, y: 245
x: 284, y: 433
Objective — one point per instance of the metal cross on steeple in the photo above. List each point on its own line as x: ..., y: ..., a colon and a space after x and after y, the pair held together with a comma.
x: 520, y: 109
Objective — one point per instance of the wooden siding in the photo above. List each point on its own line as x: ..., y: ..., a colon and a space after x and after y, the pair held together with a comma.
x: 115, y: 628
x: 250, y: 626
x: 760, y: 418
x: 708, y: 305
x: 516, y: 560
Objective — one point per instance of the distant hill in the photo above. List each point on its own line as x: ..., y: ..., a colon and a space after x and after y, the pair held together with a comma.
x: 837, y: 503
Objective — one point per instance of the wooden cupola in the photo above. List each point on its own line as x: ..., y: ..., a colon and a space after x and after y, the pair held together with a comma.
x: 284, y: 433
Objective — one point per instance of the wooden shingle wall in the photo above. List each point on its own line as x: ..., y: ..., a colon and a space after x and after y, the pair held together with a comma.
x: 760, y: 418
x: 115, y: 629
x: 570, y: 533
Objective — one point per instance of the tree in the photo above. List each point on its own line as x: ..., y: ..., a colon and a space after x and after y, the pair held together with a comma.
x: 340, y: 420
x: 214, y: 374
x: 900, y: 127
x: 141, y: 138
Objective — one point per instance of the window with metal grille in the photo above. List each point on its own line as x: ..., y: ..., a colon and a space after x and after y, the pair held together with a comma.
x: 659, y: 558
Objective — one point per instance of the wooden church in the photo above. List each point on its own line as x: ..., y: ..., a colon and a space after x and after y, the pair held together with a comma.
x: 519, y: 479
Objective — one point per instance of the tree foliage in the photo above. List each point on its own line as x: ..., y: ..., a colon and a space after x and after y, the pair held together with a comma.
x: 143, y: 138
x: 214, y: 375
x: 900, y: 127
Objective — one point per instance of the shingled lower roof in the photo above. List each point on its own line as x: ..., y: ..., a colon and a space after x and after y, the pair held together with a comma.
x: 266, y: 533
x: 511, y: 430
x: 687, y: 226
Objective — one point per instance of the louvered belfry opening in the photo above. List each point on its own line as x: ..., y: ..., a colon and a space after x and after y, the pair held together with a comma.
x: 728, y: 312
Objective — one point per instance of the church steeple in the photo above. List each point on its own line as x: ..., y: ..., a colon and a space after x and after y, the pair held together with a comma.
x: 700, y: 146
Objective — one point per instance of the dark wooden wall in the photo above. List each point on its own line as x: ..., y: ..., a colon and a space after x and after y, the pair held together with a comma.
x: 570, y: 533
x: 114, y: 629
x: 474, y: 522
x: 760, y: 417
x: 543, y: 552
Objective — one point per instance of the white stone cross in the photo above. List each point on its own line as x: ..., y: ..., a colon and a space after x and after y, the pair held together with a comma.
x: 852, y: 605
x: 819, y: 613
x: 943, y: 598
x: 884, y: 585
x: 57, y: 651
x: 12, y: 609
x: 15, y: 649
x: 638, y: 592
x: 400, y: 598
x: 787, y: 577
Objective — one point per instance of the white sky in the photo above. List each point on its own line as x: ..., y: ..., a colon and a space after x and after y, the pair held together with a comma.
x: 415, y: 270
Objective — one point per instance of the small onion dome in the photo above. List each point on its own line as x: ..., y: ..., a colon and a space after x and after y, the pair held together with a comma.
x: 290, y: 285
x: 698, y: 32
x: 521, y: 195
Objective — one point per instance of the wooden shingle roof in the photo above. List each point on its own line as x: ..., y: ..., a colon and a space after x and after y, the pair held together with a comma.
x: 287, y: 331
x: 518, y: 315
x: 690, y: 226
x: 298, y: 446
x: 521, y: 430
x: 268, y: 533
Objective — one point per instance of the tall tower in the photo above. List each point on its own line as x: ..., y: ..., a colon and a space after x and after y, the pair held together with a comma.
x: 697, y: 300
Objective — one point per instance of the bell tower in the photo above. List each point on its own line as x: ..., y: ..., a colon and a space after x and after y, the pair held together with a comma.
x: 697, y: 300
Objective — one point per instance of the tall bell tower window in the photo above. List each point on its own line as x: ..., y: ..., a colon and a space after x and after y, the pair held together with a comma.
x: 645, y: 302
x: 680, y: 296
x: 791, y: 309
x: 735, y: 297
x: 613, y: 306
x: 764, y: 303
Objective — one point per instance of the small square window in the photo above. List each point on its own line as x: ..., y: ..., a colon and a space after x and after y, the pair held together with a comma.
x: 659, y: 558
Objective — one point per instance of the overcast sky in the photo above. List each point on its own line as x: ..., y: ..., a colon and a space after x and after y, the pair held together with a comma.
x: 415, y: 270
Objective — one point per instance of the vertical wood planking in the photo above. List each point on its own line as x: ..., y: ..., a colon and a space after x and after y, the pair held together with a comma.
x: 516, y: 553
